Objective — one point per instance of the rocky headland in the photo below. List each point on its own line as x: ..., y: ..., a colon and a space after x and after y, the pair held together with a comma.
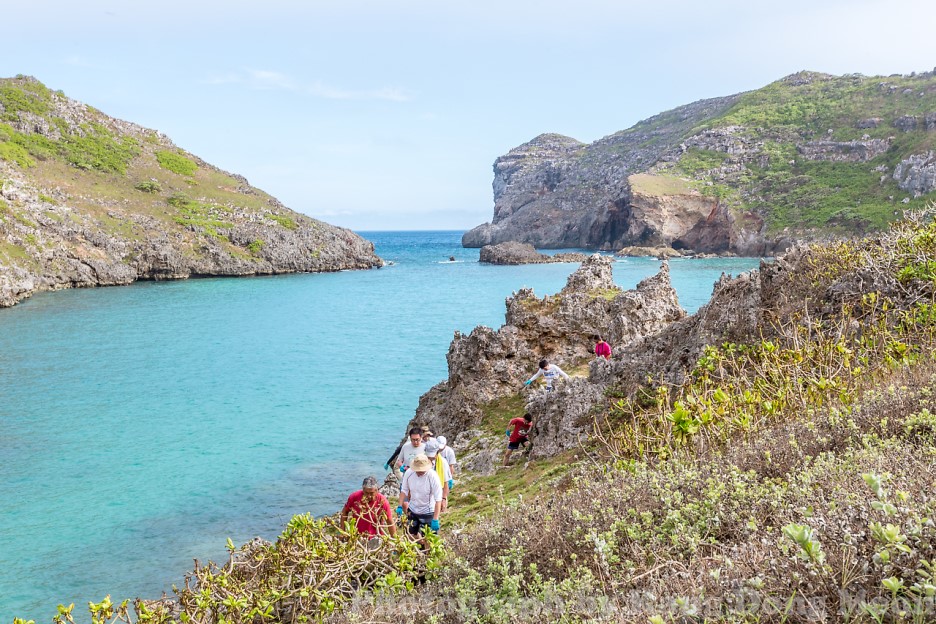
x: 489, y: 365
x: 512, y: 252
x: 809, y: 157
x: 89, y: 200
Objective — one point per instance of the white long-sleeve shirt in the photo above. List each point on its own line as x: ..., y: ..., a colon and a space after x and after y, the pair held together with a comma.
x: 550, y: 373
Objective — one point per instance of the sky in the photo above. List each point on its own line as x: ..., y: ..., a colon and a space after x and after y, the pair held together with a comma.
x: 388, y: 115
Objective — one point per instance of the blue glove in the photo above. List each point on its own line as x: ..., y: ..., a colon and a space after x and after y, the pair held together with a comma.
x: 434, y: 525
x: 402, y: 468
x: 386, y: 466
x: 507, y: 432
x: 451, y: 484
x: 399, y: 510
x: 527, y: 382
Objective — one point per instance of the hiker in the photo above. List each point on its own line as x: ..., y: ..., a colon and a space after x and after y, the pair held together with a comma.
x: 449, y: 454
x: 421, y: 496
x: 410, y: 449
x: 547, y: 371
x: 520, y: 435
x: 442, y: 469
x: 602, y: 349
x: 370, y: 510
x: 427, y: 434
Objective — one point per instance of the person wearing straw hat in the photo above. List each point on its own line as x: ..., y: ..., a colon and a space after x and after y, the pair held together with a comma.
x: 421, y: 496
x: 370, y: 510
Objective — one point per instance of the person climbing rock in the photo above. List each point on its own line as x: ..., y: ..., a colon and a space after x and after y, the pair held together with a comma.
x: 520, y: 436
x: 549, y: 372
x: 602, y: 349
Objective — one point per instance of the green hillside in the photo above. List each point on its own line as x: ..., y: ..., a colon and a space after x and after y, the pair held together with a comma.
x: 87, y: 199
x: 843, y: 187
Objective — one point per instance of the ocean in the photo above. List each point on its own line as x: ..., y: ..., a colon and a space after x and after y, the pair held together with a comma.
x: 141, y: 426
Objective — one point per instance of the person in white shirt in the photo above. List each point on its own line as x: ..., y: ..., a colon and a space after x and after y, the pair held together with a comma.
x: 449, y: 454
x: 421, y: 496
x: 441, y: 467
x: 410, y: 449
x: 549, y: 372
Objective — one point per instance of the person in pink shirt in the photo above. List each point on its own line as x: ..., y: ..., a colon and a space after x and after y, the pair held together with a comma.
x: 603, y: 349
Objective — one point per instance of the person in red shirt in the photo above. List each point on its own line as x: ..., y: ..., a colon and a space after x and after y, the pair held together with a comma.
x: 603, y: 349
x: 519, y: 436
x: 370, y: 509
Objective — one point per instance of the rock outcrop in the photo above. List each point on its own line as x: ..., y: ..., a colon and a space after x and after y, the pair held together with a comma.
x: 100, y: 202
x: 512, y: 252
x: 743, y: 174
x: 917, y: 174
x: 488, y: 365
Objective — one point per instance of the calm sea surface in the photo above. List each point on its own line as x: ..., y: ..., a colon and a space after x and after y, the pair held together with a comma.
x: 141, y: 426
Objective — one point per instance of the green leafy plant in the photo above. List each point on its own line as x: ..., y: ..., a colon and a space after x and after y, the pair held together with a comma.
x: 177, y: 163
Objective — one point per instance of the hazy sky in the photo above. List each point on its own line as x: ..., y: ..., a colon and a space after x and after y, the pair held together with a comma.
x: 389, y: 114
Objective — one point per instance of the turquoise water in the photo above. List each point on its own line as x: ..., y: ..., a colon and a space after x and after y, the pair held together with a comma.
x: 141, y: 426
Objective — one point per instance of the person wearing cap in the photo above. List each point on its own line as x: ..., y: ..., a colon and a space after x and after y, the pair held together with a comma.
x: 549, y: 372
x: 410, y: 449
x: 449, y: 454
x: 370, y: 510
x: 421, y: 496
x: 441, y: 467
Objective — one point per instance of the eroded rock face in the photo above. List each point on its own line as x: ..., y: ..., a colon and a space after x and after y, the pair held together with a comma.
x: 490, y: 364
x: 512, y: 252
x: 917, y: 174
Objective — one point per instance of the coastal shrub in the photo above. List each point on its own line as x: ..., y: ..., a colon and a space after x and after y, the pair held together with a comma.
x: 284, y: 221
x: 177, y: 163
x: 28, y: 97
x: 199, y: 216
x: 148, y: 187
x: 11, y: 152
x: 255, y: 246
x: 313, y: 569
x: 98, y: 149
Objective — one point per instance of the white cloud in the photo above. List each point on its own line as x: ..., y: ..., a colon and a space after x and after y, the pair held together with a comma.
x: 392, y: 94
x: 263, y: 80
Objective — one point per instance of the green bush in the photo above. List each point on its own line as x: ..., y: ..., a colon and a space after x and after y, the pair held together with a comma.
x: 177, y: 163
x: 98, y: 149
x: 148, y: 187
x: 285, y: 221
x: 11, y: 152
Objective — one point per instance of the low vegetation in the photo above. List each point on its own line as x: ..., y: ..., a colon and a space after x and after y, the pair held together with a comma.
x: 175, y: 162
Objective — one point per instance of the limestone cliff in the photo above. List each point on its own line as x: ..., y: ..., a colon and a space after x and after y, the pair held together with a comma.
x: 487, y: 364
x: 808, y: 157
x: 89, y: 200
